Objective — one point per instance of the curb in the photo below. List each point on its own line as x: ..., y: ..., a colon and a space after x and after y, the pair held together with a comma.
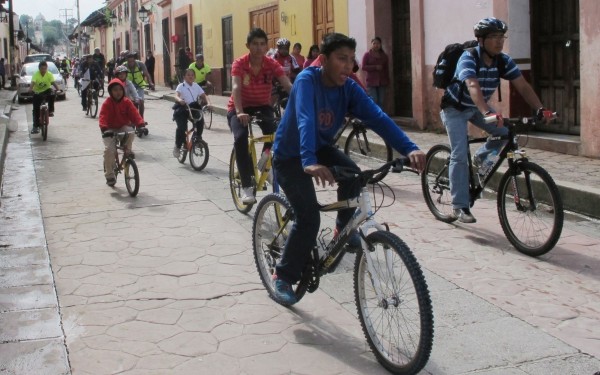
x: 4, y: 134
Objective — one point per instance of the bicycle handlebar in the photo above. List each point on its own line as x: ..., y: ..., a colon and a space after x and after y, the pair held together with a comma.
x: 348, y: 173
x: 110, y: 133
x: 520, y: 120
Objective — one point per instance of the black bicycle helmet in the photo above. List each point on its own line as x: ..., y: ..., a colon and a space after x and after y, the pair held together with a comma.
x: 488, y: 26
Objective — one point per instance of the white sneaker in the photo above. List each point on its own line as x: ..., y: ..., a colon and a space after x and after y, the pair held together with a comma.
x: 176, y: 152
x: 248, y: 195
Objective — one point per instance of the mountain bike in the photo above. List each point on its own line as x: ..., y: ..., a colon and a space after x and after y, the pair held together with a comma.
x: 209, y: 89
x: 529, y: 204
x: 390, y: 291
x: 125, y: 162
x: 362, y: 151
x: 44, y: 118
x: 194, y: 144
x: 77, y: 84
x: 263, y: 174
x: 92, y: 99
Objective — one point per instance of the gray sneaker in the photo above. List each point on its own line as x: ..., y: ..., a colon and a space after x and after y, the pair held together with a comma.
x: 175, y: 152
x: 464, y: 215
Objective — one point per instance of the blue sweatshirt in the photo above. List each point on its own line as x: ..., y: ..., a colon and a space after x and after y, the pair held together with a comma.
x: 315, y: 113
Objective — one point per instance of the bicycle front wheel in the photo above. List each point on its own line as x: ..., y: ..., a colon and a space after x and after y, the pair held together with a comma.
x: 45, y: 119
x: 366, y: 153
x: 199, y: 154
x: 435, y: 183
x: 207, y: 113
x: 235, y: 185
x: 530, y: 209
x: 393, y: 302
x: 132, y: 177
x: 101, y: 91
x: 94, y: 105
x: 272, y: 223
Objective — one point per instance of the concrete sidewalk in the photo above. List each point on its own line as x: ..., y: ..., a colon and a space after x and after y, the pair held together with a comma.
x: 577, y: 177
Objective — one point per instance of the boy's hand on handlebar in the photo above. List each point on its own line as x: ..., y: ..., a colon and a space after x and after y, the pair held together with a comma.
x: 321, y: 173
x: 417, y: 160
x: 544, y: 114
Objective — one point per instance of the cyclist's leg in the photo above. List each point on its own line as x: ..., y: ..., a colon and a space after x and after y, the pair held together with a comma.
x: 456, y: 126
x: 332, y: 156
x: 492, y: 129
x: 300, y: 192
x: 130, y: 136
x: 240, y: 143
x: 181, y: 121
x: 267, y: 125
x: 37, y: 102
x: 110, y: 147
x: 50, y: 98
x: 84, y: 98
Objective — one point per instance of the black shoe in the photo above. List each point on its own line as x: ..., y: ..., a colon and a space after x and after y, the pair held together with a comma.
x: 111, y: 181
x: 464, y: 215
x: 35, y: 130
x: 84, y: 109
x: 51, y: 114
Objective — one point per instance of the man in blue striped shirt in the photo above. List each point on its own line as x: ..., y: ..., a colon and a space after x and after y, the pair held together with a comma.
x: 466, y: 99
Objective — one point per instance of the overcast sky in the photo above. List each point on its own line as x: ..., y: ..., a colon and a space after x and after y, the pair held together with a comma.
x: 50, y: 9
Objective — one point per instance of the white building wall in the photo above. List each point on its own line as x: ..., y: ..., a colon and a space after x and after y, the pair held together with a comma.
x: 357, y: 24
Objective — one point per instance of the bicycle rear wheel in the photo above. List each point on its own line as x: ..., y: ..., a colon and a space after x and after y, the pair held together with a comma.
x: 235, y: 185
x: 132, y: 177
x: 366, y: 153
x: 270, y: 228
x: 199, y: 154
x: 435, y: 183
x: 101, y: 90
x: 398, y: 323
x: 207, y: 113
x: 530, y: 209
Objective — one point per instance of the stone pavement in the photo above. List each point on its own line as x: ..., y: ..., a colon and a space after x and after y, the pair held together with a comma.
x: 95, y: 282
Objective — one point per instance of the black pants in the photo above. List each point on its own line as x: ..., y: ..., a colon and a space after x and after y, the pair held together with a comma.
x: 181, y: 119
x: 300, y: 192
x: 37, y: 102
x: 84, y: 92
x: 3, y: 80
x: 240, y: 139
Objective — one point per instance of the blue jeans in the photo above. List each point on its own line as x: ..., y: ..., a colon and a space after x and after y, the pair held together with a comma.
x: 456, y: 126
x: 378, y: 94
x: 300, y: 192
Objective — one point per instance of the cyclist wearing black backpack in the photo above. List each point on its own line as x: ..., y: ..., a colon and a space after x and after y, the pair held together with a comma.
x: 476, y: 78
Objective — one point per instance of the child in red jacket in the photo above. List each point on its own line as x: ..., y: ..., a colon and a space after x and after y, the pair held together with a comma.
x: 117, y: 114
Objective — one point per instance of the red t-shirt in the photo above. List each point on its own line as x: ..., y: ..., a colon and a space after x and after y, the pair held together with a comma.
x: 256, y: 89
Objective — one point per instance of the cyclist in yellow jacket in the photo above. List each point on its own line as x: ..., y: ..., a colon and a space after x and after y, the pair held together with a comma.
x: 41, y: 83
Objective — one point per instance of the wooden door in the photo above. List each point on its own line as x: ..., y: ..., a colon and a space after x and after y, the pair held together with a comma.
x: 199, y: 40
x: 401, y: 55
x: 227, y: 27
x: 323, y: 20
x: 555, y: 61
x: 268, y: 20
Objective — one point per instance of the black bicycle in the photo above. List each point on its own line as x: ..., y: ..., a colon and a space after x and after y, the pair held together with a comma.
x: 194, y: 145
x: 529, y: 203
x: 390, y: 291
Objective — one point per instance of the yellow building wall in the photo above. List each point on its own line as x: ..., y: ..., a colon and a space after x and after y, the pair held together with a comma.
x: 298, y: 28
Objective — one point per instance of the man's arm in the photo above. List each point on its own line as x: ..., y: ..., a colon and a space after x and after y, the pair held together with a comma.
x: 285, y: 82
x: 476, y: 94
x: 146, y: 74
x: 236, y: 93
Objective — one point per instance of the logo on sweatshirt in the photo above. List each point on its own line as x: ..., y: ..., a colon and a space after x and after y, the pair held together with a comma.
x: 326, y: 118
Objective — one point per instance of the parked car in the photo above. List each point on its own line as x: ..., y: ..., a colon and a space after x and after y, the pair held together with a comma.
x: 24, y: 81
x: 37, y: 58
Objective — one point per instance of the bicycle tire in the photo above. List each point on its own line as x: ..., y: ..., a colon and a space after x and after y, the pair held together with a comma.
x: 366, y: 154
x: 78, y: 87
x: 101, y: 90
x: 268, y: 240
x: 399, y: 326
x: 199, y: 154
x: 132, y: 177
x: 235, y: 185
x: 435, y: 183
x: 207, y: 118
x: 94, y: 105
x: 44, y: 120
x: 545, y: 215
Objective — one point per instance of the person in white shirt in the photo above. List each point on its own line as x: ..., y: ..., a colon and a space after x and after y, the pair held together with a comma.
x: 187, y: 93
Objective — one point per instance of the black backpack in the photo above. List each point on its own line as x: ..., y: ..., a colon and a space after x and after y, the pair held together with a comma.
x: 445, y: 67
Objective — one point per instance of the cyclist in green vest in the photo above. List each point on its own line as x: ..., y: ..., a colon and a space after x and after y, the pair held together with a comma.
x: 202, y: 71
x: 139, y: 76
x: 41, y: 83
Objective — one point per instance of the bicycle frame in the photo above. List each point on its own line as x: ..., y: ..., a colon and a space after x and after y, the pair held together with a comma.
x: 261, y: 176
x: 121, y: 144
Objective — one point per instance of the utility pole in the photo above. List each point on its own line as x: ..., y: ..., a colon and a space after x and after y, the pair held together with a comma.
x: 79, y: 32
x: 135, y: 39
x: 11, y: 37
x: 67, y: 14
